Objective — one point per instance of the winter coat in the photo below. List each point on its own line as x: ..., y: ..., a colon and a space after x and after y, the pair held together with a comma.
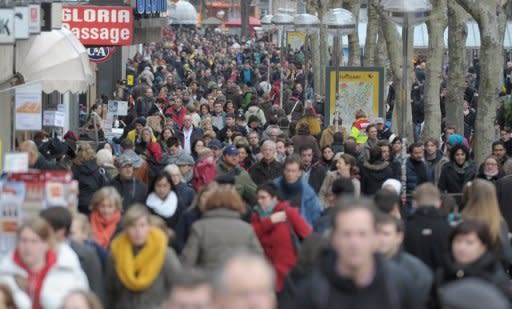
x: 413, y: 179
x: 119, y: 297
x: 313, y: 123
x: 487, y: 267
x: 418, y: 270
x: 197, y: 133
x: 426, y: 236
x: 90, y: 179
x: 64, y: 277
x: 243, y: 182
x: 131, y: 190
x: 258, y: 112
x: 327, y: 137
x: 358, y: 130
x: 390, y: 288
x: 326, y: 187
x: 317, y: 174
x: 276, y: 239
x: 215, y: 236
x: 185, y: 194
x: 302, y: 140
x: 91, y: 264
x: 169, y: 209
x: 309, y: 205
x: 453, y: 178
x: 264, y: 171
x: 182, y: 230
x: 436, y: 165
x: 504, y: 194
x: 373, y: 176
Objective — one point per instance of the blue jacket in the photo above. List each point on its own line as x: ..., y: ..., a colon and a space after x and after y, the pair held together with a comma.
x: 310, y: 206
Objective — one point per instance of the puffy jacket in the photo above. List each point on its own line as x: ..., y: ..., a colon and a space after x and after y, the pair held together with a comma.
x: 358, y: 130
x: 373, y: 175
x: 90, y: 179
x: 243, y: 182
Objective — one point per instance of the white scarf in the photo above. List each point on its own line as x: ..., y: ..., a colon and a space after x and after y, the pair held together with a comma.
x: 165, y: 208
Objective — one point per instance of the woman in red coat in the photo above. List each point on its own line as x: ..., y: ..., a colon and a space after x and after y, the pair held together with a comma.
x: 274, y: 222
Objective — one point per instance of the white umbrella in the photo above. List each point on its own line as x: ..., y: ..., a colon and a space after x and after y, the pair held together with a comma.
x: 56, y: 58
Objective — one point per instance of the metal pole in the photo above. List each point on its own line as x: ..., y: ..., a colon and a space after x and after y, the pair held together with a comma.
x: 405, y: 77
x: 337, y: 79
x: 281, y: 96
x: 306, y: 67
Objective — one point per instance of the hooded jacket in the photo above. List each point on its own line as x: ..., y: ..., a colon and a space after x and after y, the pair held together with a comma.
x: 373, y: 176
x: 390, y: 288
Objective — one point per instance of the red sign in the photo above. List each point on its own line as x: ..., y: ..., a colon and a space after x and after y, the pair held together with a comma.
x: 100, y: 54
x: 99, y: 25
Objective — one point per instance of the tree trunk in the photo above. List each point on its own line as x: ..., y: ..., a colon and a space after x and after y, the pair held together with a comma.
x: 244, y: 12
x: 381, y: 52
x: 315, y: 54
x: 491, y: 58
x: 436, y: 25
x: 324, y: 47
x: 354, y: 48
x: 457, y: 34
x: 372, y: 29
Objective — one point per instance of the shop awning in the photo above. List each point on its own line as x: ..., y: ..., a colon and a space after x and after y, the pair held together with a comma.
x: 56, y: 58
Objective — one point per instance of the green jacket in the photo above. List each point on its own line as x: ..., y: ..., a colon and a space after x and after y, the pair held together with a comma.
x: 243, y: 181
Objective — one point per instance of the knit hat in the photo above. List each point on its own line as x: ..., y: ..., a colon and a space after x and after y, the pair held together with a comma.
x: 185, y: 159
x: 132, y: 157
x: 455, y: 139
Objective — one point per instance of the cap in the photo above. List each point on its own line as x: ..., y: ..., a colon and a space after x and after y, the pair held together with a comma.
x: 379, y: 121
x: 185, y: 159
x: 231, y: 150
x: 124, y: 161
x: 215, y: 144
x: 130, y: 156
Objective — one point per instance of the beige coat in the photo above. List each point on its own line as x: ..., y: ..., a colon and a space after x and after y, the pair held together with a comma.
x: 215, y: 236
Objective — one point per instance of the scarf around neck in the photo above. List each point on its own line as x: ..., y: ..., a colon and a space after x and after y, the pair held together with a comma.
x: 35, y: 279
x: 290, y: 189
x: 103, y: 229
x: 164, y: 208
x: 138, y: 271
x: 267, y: 212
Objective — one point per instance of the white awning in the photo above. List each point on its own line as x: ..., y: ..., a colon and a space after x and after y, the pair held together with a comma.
x: 56, y: 58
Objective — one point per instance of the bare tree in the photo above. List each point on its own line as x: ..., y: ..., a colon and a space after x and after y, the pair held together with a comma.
x: 354, y: 49
x: 435, y: 25
x: 244, y: 12
x: 457, y: 34
x: 370, y: 45
x: 491, y: 18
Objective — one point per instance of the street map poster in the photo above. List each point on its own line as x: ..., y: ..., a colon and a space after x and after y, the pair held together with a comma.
x: 359, y: 88
x: 295, y: 39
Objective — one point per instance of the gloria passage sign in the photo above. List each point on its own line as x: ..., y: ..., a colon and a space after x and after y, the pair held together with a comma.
x: 99, y: 25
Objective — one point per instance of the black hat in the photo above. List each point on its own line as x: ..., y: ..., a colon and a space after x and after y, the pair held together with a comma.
x: 53, y: 149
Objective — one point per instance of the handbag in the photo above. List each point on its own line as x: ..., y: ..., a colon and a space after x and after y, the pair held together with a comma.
x: 293, y: 109
x: 295, y: 238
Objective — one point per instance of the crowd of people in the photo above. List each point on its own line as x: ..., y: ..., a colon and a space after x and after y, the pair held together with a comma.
x: 215, y: 196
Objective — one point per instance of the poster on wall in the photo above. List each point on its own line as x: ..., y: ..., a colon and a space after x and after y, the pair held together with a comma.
x: 29, y: 106
x: 11, y: 210
x: 295, y: 39
x: 360, y: 88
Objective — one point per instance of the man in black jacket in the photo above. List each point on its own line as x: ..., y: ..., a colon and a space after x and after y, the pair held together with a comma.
x: 131, y: 189
x: 268, y: 168
x: 313, y: 171
x: 426, y: 231
x: 352, y: 275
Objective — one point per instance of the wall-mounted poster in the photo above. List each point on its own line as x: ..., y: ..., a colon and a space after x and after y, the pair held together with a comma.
x: 359, y: 88
x: 29, y: 107
x: 295, y: 39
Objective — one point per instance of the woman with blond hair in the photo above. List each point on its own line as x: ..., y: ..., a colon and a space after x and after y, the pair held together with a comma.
x: 219, y: 231
x: 36, y: 275
x: 89, y: 175
x: 481, y: 204
x: 105, y: 215
x: 141, y: 266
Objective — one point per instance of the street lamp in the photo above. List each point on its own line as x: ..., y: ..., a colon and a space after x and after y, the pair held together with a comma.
x: 339, y: 22
x: 406, y: 13
x: 308, y: 24
x: 282, y: 20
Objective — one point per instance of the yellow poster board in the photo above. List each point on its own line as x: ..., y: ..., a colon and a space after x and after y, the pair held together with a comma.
x: 359, y: 88
x: 295, y: 39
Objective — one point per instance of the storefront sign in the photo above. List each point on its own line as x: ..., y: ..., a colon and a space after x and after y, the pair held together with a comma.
x: 21, y: 22
x: 6, y: 26
x: 151, y: 6
x: 100, y: 54
x: 34, y: 19
x: 99, y: 25
x: 29, y: 107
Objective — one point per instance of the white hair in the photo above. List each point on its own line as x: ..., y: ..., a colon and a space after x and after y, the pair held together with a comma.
x: 104, y: 156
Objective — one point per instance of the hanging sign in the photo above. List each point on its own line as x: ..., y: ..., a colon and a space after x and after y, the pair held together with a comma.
x: 29, y: 106
x: 6, y: 26
x: 34, y: 18
x: 21, y: 22
x: 100, y: 54
x: 99, y: 25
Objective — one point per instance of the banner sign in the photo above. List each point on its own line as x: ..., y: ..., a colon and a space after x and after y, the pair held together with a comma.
x: 29, y: 106
x: 151, y: 6
x: 99, y: 25
x: 21, y: 22
x: 34, y: 19
x: 6, y: 26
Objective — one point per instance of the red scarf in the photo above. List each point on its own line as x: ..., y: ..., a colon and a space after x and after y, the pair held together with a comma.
x: 103, y: 229
x: 36, y: 278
